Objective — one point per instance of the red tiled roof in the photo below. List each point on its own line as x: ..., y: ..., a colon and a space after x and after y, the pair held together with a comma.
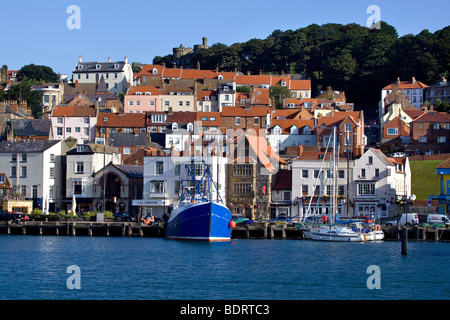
x: 73, y: 111
x: 300, y: 85
x: 407, y: 85
x: 241, y: 112
x: 286, y: 124
x: 432, y: 116
x: 143, y: 89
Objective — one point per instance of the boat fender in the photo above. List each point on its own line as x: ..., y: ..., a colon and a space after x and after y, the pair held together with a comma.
x: 232, y: 224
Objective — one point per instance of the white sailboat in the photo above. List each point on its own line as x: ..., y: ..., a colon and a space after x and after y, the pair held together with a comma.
x: 334, y: 232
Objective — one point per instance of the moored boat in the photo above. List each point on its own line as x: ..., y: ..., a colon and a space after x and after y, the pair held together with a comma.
x: 197, y: 216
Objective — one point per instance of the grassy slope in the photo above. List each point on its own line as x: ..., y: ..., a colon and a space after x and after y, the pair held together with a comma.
x: 425, y: 181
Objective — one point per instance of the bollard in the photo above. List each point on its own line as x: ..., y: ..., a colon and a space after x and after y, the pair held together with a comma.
x: 405, y: 240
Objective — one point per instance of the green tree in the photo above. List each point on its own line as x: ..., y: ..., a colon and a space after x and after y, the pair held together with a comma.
x: 38, y: 73
x: 278, y: 94
x: 22, y: 92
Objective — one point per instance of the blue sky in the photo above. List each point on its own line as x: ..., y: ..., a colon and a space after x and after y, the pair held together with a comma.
x: 37, y: 33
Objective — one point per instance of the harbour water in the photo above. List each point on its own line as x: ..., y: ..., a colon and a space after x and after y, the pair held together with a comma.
x: 128, y: 268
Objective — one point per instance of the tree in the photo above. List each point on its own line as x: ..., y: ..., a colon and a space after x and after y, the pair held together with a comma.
x: 38, y: 73
x: 278, y: 94
x: 22, y: 92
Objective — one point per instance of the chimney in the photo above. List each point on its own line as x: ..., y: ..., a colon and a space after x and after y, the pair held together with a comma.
x: 80, y: 60
x: 248, y: 73
x: 260, y: 71
x: 398, y: 81
x: 109, y: 59
x: 76, y: 84
x: 300, y: 150
x: 413, y: 80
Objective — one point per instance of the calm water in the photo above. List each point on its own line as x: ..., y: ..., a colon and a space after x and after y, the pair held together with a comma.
x: 34, y: 267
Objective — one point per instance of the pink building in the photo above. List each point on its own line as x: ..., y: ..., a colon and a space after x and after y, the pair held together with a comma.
x: 77, y: 122
x: 140, y: 99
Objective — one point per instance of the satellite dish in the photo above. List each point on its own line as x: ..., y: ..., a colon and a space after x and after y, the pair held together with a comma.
x: 413, y: 197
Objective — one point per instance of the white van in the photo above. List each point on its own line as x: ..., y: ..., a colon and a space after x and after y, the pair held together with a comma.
x: 438, y: 219
x: 406, y: 219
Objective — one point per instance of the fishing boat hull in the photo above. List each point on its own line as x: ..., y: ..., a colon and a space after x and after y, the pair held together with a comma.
x: 204, y: 221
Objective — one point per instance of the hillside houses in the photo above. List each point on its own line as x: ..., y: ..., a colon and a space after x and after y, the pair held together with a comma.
x: 266, y: 160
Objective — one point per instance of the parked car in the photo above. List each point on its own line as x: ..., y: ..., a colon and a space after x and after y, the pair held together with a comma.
x: 12, y: 217
x: 125, y: 217
x: 399, y: 155
x: 438, y: 219
x: 405, y: 219
x: 282, y: 218
x: 429, y: 152
x: 238, y: 218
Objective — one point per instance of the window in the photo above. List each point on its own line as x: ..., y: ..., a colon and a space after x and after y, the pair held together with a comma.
x: 316, y: 173
x: 377, y: 173
x: 23, y: 172
x: 166, y: 103
x: 79, y: 186
x: 87, y: 75
x: 79, y: 167
x: 304, y: 174
x: 227, y: 97
x: 68, y: 130
x: 363, y: 173
x: 13, y: 157
x: 86, y: 120
x: 23, y: 157
x: 341, y: 190
x: 392, y: 131
x: 35, y: 192
x: 77, y: 129
x: 23, y: 191
x: 317, y: 191
x: 436, y: 126
x: 159, y: 167
x: 423, y: 139
x: 238, y: 121
x: 366, y: 189
x: 243, y: 170
x: 441, y: 139
x: 130, y: 103
x: 243, y: 189
x: 348, y: 127
x: 158, y: 118
x: 157, y: 186
x: 370, y: 160
x: 188, y: 103
x: 13, y: 172
x: 52, y: 172
x: 180, y: 103
x: 305, y: 190
x: 52, y: 157
x: 127, y: 150
x: 277, y: 130
x: 86, y: 131
x: 341, y: 174
x: 59, y: 120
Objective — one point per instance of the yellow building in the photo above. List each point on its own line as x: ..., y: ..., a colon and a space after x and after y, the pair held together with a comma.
x: 443, y: 170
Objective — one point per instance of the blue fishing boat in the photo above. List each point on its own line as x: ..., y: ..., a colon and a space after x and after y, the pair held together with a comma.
x: 198, y: 217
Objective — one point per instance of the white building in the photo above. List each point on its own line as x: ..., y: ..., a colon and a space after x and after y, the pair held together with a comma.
x: 414, y: 90
x: 118, y: 75
x: 312, y: 185
x: 82, y: 163
x: 34, y: 170
x: 380, y: 183
x: 163, y: 180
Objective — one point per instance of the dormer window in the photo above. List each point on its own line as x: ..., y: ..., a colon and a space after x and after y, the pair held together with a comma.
x: 155, y: 71
x: 98, y: 66
x: 294, y: 130
x: 225, y: 88
x: 80, y: 148
x: 283, y: 83
x: 105, y: 119
x: 138, y: 93
x: 116, y: 66
x: 80, y: 66
x: 174, y: 126
x: 190, y: 127
x: 220, y: 77
x: 277, y: 130
x: 148, y: 93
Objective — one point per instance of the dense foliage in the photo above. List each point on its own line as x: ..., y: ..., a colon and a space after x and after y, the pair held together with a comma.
x: 350, y: 58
